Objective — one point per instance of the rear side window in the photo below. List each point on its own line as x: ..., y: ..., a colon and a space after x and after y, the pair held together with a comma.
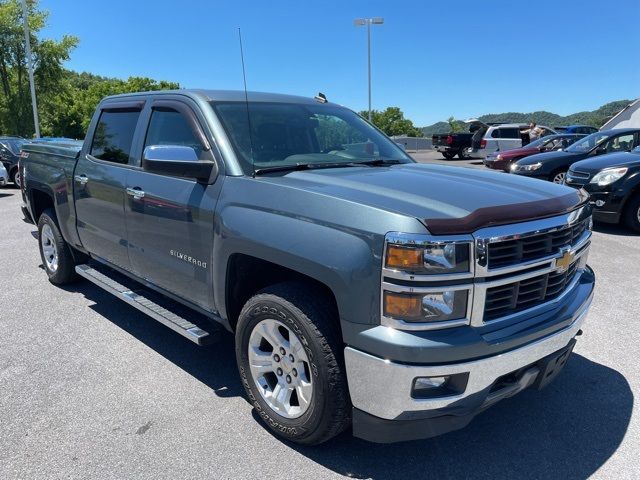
x: 169, y: 127
x: 114, y: 134
x: 506, y: 133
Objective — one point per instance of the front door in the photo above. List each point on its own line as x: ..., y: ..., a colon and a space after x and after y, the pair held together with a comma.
x: 170, y: 219
x: 99, y: 184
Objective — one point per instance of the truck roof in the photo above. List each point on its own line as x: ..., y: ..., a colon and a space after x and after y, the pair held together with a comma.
x: 225, y: 95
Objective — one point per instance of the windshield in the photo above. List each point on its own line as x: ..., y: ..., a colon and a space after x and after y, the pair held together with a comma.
x: 588, y: 143
x: 284, y: 134
x: 12, y: 145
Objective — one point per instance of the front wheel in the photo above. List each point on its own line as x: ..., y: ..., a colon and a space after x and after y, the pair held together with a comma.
x: 464, y: 154
x: 448, y: 155
x: 289, y: 355
x: 558, y: 177
x: 632, y: 213
x: 55, y: 253
x: 15, y: 177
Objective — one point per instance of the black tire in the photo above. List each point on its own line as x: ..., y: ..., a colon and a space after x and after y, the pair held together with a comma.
x: 448, y: 155
x: 15, y: 178
x: 65, y: 271
x: 463, y: 155
x: 311, y: 318
x: 632, y: 213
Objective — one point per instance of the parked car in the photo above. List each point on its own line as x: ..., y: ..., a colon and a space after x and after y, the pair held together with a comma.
x: 4, y: 176
x: 613, y: 183
x: 502, y: 137
x: 503, y: 160
x: 553, y: 166
x: 362, y: 288
x: 583, y: 129
x: 452, y: 144
x: 10, y: 154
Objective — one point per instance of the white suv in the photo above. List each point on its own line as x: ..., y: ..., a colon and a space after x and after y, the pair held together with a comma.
x: 501, y: 137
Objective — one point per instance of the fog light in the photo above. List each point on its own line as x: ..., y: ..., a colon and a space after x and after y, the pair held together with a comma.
x: 442, y: 386
x: 430, y: 382
x: 599, y: 203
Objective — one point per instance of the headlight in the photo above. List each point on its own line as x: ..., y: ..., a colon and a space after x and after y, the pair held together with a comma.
x: 608, y: 176
x: 499, y: 157
x: 426, y: 307
x: 525, y: 168
x: 427, y: 258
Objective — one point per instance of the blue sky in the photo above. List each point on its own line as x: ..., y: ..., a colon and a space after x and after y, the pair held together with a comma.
x: 433, y: 58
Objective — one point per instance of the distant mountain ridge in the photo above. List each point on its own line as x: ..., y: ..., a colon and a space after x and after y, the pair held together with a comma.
x: 595, y: 118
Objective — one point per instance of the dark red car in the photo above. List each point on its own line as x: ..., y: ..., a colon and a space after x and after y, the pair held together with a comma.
x: 503, y: 160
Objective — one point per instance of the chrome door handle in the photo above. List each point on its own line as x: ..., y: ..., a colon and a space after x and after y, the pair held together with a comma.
x: 135, y: 192
x: 81, y: 179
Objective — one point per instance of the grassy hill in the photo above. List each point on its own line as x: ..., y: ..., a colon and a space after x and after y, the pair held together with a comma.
x: 595, y: 118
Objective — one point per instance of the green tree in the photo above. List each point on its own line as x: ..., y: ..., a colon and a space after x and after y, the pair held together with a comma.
x: 455, y: 125
x: 48, y: 57
x: 392, y: 122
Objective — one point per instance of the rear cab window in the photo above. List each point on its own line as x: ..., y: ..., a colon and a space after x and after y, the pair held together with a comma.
x: 113, y: 135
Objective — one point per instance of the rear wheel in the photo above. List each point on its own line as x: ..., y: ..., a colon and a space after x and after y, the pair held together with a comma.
x: 56, y: 256
x: 289, y: 354
x: 463, y: 154
x: 632, y: 213
x: 448, y: 155
x: 558, y: 176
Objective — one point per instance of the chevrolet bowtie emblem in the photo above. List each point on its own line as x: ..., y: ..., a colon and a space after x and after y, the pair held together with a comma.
x: 563, y: 263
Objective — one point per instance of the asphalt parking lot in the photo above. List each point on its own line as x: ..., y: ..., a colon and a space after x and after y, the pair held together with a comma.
x: 91, y: 388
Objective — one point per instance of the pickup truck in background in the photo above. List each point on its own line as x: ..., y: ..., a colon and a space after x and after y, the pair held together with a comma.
x: 452, y: 144
x: 362, y: 288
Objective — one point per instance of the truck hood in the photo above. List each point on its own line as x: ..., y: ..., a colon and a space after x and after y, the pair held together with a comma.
x: 595, y: 164
x: 446, y: 199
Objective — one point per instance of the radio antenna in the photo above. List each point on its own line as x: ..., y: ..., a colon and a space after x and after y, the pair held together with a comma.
x: 246, y: 101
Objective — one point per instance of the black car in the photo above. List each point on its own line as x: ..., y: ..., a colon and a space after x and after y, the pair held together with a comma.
x: 553, y: 166
x: 10, y: 154
x: 613, y: 183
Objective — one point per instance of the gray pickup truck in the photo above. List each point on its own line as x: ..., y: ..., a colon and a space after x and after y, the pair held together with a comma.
x: 363, y: 289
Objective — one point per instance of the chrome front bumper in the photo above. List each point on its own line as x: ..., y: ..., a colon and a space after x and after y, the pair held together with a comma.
x: 382, y: 388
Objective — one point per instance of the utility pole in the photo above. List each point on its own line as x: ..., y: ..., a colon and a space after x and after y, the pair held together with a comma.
x: 27, y: 42
x: 358, y: 22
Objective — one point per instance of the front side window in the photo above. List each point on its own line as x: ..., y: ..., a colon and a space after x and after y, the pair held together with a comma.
x: 169, y: 127
x: 622, y: 143
x: 284, y: 134
x: 114, y: 134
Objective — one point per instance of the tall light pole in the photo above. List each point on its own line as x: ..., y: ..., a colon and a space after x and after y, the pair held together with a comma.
x: 359, y: 22
x: 27, y: 42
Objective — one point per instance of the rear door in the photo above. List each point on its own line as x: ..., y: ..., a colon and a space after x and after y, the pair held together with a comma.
x: 508, y: 138
x: 99, y: 182
x: 169, y: 218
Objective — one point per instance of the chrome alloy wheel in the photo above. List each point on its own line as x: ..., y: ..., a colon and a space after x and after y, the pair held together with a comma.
x: 559, y: 178
x: 49, y: 249
x: 280, y: 368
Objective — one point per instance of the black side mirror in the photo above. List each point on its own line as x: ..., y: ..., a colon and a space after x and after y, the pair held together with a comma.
x: 600, y: 151
x: 178, y: 161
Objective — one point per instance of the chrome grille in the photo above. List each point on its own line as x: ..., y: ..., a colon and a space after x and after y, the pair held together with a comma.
x: 532, y: 247
x: 575, y: 177
x: 518, y: 296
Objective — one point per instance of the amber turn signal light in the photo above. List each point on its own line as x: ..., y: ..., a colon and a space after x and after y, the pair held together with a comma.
x: 397, y: 305
x: 404, y: 258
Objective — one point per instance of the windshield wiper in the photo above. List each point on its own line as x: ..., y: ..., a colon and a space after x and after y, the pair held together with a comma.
x: 313, y: 166
x: 378, y: 162
x: 304, y: 166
